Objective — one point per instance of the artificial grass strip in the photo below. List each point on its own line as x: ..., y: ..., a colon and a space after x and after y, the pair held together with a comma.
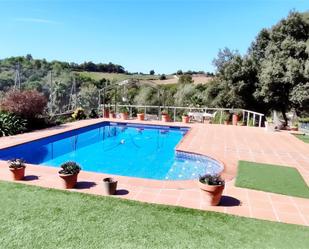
x: 33, y: 217
x: 271, y: 178
x: 304, y: 138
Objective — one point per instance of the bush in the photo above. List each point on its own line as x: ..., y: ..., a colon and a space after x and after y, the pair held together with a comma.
x: 303, y: 120
x: 123, y: 109
x: 163, y: 77
x: 11, y: 124
x: 185, y: 79
x: 70, y: 168
x: 93, y: 114
x: 79, y: 114
x: 226, y: 116
x: 26, y: 104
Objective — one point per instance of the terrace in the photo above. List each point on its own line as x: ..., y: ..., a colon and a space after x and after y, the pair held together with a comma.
x: 225, y: 143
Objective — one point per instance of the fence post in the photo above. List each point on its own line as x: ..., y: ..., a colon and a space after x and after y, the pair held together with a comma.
x: 221, y: 117
x: 174, y: 114
x: 260, y: 120
x: 248, y: 118
x: 253, y: 119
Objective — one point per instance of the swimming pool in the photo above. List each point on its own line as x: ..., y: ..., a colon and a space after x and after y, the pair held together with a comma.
x: 145, y: 151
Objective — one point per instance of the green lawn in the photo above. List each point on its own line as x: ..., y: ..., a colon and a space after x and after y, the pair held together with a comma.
x: 271, y: 178
x: 304, y: 138
x: 32, y: 217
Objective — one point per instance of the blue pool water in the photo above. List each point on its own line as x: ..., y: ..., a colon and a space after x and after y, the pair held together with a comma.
x: 120, y: 149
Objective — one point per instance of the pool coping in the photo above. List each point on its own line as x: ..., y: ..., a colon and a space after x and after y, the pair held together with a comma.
x: 143, y: 182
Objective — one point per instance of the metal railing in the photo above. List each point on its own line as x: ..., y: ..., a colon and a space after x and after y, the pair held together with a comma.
x: 249, y: 118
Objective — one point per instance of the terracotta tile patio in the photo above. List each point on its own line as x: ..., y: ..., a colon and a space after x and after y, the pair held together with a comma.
x: 227, y: 144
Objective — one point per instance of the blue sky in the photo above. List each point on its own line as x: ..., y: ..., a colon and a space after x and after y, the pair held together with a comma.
x: 140, y: 35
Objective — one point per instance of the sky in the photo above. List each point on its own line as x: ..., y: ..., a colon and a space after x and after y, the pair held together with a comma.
x: 140, y: 35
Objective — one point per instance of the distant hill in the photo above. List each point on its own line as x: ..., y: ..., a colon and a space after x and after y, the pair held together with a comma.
x: 117, y: 76
x: 170, y: 79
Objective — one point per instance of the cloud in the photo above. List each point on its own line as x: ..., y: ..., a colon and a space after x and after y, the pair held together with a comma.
x: 36, y: 20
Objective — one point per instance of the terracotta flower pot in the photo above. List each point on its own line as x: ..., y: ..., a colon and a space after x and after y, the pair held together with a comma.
x: 185, y: 119
x: 69, y: 181
x: 18, y: 173
x: 111, y: 115
x: 141, y: 116
x: 124, y: 115
x: 165, y: 118
x: 109, y: 186
x: 106, y: 113
x: 226, y: 122
x: 235, y: 119
x: 213, y: 193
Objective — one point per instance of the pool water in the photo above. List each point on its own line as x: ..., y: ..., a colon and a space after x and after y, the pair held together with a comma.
x: 120, y: 149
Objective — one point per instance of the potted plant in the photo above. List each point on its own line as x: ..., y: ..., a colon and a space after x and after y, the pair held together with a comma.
x: 185, y: 118
x: 165, y: 117
x: 69, y: 174
x: 111, y: 114
x: 124, y: 113
x: 109, y: 186
x: 212, y: 186
x: 17, y: 168
x: 236, y: 117
x: 226, y: 118
x: 106, y: 113
x: 140, y: 115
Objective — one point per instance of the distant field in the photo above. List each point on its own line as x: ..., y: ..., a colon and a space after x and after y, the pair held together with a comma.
x: 171, y: 79
x: 118, y: 76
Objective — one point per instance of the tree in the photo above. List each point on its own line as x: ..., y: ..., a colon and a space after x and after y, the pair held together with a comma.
x: 179, y: 72
x: 223, y: 57
x: 283, y: 81
x: 184, y: 95
x: 273, y: 75
x: 146, y: 96
x: 163, y: 77
x: 152, y: 72
x: 185, y: 79
x: 88, y: 97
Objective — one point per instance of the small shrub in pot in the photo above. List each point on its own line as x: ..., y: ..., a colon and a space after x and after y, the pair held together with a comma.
x: 141, y: 114
x: 212, y: 186
x: 69, y: 173
x: 124, y: 113
x: 17, y: 168
x: 185, y: 118
x: 165, y: 116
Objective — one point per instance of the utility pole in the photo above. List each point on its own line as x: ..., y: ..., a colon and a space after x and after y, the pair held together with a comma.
x: 73, y: 96
x: 17, y: 83
x: 51, y: 95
